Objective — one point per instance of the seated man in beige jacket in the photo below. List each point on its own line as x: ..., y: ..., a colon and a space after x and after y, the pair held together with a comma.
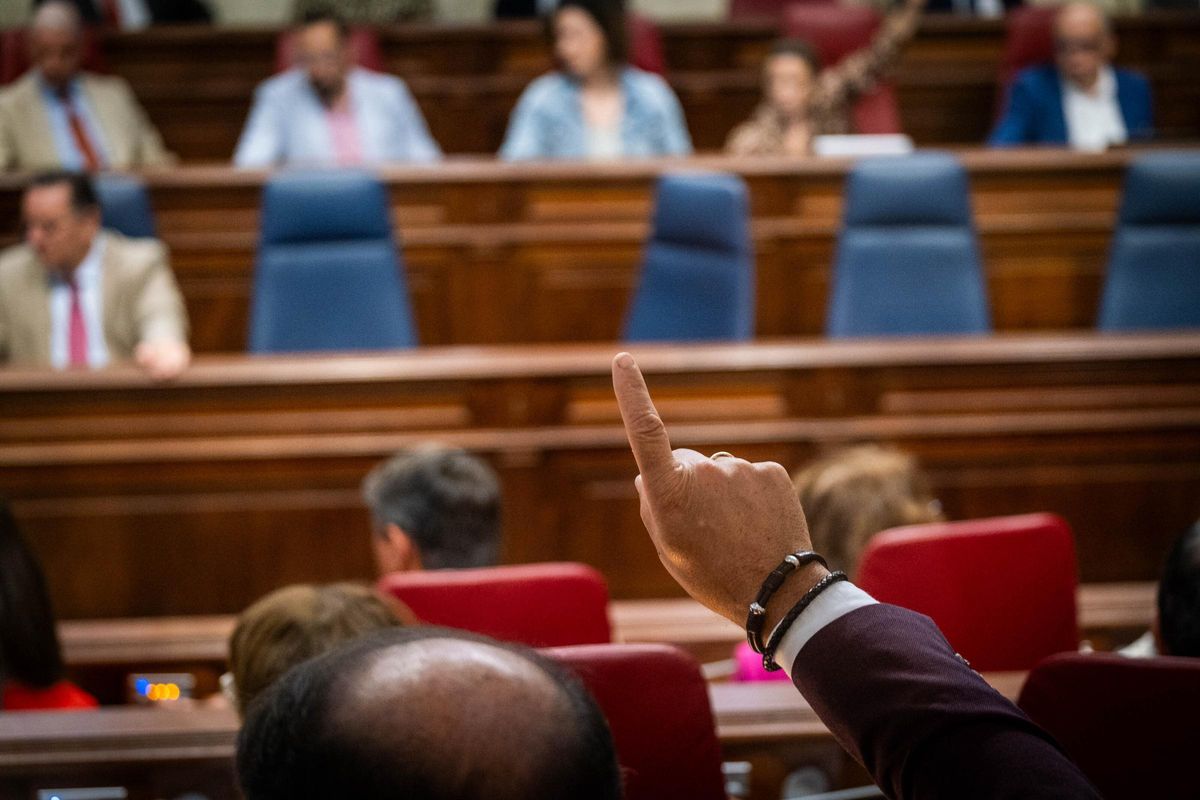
x: 75, y: 295
x: 57, y: 116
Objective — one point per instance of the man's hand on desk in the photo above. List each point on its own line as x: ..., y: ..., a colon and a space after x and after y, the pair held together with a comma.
x: 163, y: 359
x: 720, y: 525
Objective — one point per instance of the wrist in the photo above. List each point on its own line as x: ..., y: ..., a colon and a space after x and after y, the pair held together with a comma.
x: 798, y: 585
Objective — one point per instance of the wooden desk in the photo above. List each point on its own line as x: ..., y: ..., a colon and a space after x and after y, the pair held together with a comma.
x: 102, y: 653
x: 500, y: 253
x: 151, y: 750
x: 196, y: 83
x: 200, y: 496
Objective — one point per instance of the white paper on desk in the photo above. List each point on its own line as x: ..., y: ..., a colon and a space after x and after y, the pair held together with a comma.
x: 875, y: 144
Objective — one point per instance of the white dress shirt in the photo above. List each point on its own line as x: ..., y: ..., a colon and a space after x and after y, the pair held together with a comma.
x: 832, y: 604
x: 1094, y: 120
x: 89, y: 277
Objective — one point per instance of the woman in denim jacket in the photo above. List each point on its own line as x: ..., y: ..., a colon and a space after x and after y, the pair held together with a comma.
x: 596, y: 106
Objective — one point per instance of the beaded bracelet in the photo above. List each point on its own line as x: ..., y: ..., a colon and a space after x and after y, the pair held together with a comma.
x: 758, y: 609
x: 782, y: 628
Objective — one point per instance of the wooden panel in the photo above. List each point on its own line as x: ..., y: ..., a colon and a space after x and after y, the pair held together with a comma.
x: 467, y: 78
x: 146, y: 500
x: 550, y: 253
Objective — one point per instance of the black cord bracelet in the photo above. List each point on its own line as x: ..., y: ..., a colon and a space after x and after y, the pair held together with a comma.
x: 758, y: 609
x: 782, y: 628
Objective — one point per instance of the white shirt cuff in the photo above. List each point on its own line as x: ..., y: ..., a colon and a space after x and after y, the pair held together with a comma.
x: 835, y: 602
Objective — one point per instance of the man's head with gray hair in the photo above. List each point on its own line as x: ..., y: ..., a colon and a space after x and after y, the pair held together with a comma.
x: 433, y: 508
x: 56, y: 42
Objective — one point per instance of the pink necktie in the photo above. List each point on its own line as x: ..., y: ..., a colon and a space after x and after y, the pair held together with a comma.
x: 77, y: 331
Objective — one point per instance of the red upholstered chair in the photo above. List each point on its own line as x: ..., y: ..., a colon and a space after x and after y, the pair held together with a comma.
x: 646, y: 45
x: 541, y: 605
x: 14, y: 54
x: 1028, y: 40
x: 836, y: 31
x: 656, y: 703
x: 1129, y: 723
x: 1002, y: 590
x: 760, y: 9
x: 364, y: 49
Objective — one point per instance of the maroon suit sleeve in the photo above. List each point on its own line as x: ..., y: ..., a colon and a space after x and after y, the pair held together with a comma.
x: 905, y: 705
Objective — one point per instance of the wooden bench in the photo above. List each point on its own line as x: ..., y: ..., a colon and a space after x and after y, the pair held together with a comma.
x: 500, y: 253
x: 200, y: 496
x: 101, y: 654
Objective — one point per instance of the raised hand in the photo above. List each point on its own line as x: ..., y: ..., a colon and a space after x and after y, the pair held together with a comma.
x: 720, y: 524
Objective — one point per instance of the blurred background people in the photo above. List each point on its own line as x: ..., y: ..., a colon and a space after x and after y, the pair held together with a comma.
x: 327, y: 111
x: 58, y: 116
x: 296, y: 623
x: 78, y: 295
x: 136, y: 14
x: 434, y: 507
x: 802, y: 101
x: 368, y: 12
x: 596, y: 106
x: 31, y: 663
x: 1081, y: 100
x: 852, y: 494
x: 1176, y: 630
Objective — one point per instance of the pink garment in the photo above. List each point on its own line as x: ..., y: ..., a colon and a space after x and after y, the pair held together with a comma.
x: 750, y: 668
x: 347, y: 147
x: 77, y: 345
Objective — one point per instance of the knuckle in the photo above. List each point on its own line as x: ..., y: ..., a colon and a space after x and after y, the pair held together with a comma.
x: 646, y: 423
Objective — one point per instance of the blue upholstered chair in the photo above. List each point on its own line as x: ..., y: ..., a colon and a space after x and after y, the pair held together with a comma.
x: 125, y: 206
x: 697, y: 280
x: 1154, y: 269
x: 907, y: 261
x: 329, y: 273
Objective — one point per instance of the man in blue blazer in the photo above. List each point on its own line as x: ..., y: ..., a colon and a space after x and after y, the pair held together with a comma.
x: 1081, y: 100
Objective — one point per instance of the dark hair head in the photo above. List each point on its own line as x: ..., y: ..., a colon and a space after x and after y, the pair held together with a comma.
x: 609, y: 15
x: 445, y: 499
x: 799, y: 48
x: 427, y: 714
x: 29, y: 649
x: 325, y: 16
x: 1179, y: 597
x: 83, y: 190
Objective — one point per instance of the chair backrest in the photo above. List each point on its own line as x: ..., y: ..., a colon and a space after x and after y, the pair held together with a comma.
x: 329, y: 274
x: 764, y: 9
x: 541, y: 605
x: 125, y: 206
x: 1154, y: 269
x: 1028, y: 41
x: 646, y: 44
x: 837, y: 31
x: 1002, y: 590
x: 657, y: 706
x: 697, y: 280
x: 1129, y: 723
x: 363, y: 42
x: 907, y: 260
x: 14, y: 53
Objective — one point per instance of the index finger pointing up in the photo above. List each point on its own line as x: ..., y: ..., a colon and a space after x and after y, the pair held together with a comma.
x: 644, y: 428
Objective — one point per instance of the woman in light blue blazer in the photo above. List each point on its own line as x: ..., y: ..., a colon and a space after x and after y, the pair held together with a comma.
x: 596, y: 106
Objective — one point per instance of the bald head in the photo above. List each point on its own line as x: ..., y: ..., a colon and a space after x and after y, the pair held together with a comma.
x: 1084, y: 43
x: 56, y: 42
x: 427, y: 713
